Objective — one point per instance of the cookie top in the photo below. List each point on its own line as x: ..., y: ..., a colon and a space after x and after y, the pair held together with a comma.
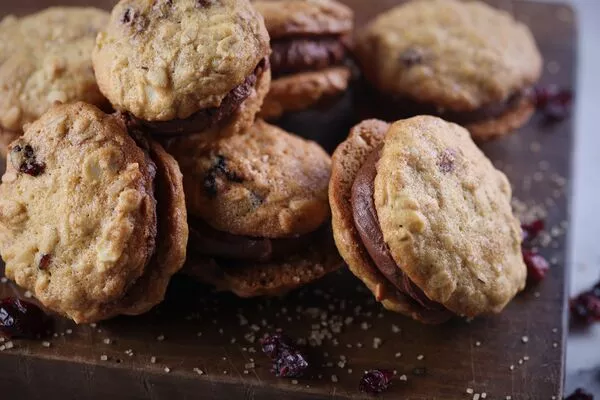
x: 456, y: 55
x: 162, y: 60
x: 44, y: 58
x: 285, y: 18
x: 264, y: 183
x: 446, y: 216
x: 77, y: 210
x: 347, y: 160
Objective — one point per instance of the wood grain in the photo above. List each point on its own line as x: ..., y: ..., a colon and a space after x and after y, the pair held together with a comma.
x: 71, y: 368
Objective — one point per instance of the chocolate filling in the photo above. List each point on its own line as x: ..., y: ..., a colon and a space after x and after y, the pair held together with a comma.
x: 302, y: 54
x: 393, y: 108
x: 208, y: 241
x: 367, y: 224
x: 207, y: 118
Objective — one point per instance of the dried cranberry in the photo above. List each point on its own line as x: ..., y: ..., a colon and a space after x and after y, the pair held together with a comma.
x: 24, y: 160
x: 45, y: 262
x: 272, y: 345
x: 411, y: 57
x: 533, y: 229
x: 580, y: 394
x: 585, y: 308
x: 19, y: 318
x: 537, y: 266
x: 288, y: 361
x: 553, y: 101
x: 290, y: 364
x: 205, y: 3
x: 446, y: 160
x: 375, y: 381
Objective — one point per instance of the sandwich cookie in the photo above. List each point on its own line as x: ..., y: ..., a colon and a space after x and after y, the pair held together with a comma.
x: 465, y: 62
x: 45, y: 58
x: 309, y: 41
x: 91, y: 222
x: 181, y: 67
x: 424, y: 219
x: 258, y: 210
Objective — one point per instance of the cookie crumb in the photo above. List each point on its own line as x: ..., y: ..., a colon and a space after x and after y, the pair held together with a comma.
x: 420, y: 357
x: 469, y: 391
x: 167, y: 370
x: 403, y: 378
x: 483, y: 395
x: 198, y: 371
x: 377, y: 342
x: 512, y: 367
x: 334, y: 378
x: 46, y: 344
x: 398, y: 355
x: 28, y: 294
x: 103, y: 357
x: 107, y: 341
x: 153, y: 360
x: 476, y: 396
x: 9, y: 345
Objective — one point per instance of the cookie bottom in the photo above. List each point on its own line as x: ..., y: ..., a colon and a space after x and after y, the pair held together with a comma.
x: 487, y: 123
x: 302, y: 91
x: 505, y: 124
x: 267, y: 279
x: 170, y: 252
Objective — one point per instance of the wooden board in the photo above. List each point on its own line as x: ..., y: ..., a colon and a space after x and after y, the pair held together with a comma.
x: 339, y: 315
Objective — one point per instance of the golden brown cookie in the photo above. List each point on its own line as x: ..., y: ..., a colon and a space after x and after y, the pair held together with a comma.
x: 258, y: 210
x: 148, y: 63
x: 304, y: 90
x: 309, y: 43
x: 47, y: 57
x: 463, y: 61
x: 424, y: 219
x: 264, y: 183
x: 79, y: 225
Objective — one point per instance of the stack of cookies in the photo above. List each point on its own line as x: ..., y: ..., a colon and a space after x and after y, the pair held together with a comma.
x: 157, y: 161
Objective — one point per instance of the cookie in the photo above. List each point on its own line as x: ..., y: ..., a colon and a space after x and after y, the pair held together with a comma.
x: 258, y: 210
x: 44, y: 58
x: 264, y: 183
x: 79, y: 222
x: 308, y: 62
x: 463, y: 61
x: 186, y: 66
x: 424, y: 219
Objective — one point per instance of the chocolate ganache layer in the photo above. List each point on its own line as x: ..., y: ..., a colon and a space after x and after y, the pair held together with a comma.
x: 394, y: 108
x: 208, y: 241
x: 207, y: 118
x: 302, y: 54
x: 367, y: 224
